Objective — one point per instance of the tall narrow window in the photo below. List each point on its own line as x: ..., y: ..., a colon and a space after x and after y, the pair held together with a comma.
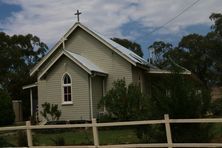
x: 67, y: 91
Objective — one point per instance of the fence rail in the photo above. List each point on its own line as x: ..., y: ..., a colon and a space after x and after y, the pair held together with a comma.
x: 94, y: 125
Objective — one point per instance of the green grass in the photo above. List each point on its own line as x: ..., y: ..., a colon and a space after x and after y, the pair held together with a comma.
x: 83, y: 136
x: 216, y: 131
x: 79, y: 136
x: 118, y: 136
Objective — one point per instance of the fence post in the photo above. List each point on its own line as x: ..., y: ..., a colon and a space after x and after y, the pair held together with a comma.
x: 95, y: 133
x: 29, y: 133
x: 168, y: 131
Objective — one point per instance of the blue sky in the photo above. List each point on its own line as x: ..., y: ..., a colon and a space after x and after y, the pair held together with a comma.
x: 7, y: 10
x: 131, y: 19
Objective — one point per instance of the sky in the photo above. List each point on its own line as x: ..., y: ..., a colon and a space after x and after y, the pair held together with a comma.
x: 136, y: 20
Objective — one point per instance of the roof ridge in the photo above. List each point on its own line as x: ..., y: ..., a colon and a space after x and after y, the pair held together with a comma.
x: 129, y: 53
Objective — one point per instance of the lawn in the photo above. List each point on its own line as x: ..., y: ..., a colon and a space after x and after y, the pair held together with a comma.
x: 76, y: 136
x: 82, y: 136
x: 216, y: 131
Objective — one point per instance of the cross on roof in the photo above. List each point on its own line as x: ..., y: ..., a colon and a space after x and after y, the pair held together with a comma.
x: 77, y: 14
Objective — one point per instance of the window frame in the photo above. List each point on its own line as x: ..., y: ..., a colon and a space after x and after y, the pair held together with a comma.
x: 63, y: 85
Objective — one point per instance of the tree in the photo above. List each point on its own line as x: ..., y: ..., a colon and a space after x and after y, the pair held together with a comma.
x: 180, y: 97
x: 216, y: 107
x: 18, y: 54
x: 217, y: 27
x: 197, y: 53
x: 160, y: 49
x: 7, y: 115
x: 198, y: 59
x: 216, y: 43
x: 133, y: 46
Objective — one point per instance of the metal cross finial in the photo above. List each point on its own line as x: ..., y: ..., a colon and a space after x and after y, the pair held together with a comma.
x: 78, y: 13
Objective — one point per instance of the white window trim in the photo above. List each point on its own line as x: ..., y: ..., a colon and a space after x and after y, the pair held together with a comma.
x: 62, y: 88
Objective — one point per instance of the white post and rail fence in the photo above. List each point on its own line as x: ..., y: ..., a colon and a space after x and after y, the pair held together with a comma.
x: 94, y: 125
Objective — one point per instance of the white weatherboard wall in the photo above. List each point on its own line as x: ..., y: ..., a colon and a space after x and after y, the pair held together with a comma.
x: 49, y: 60
x: 97, y: 93
x: 50, y: 90
x: 82, y: 43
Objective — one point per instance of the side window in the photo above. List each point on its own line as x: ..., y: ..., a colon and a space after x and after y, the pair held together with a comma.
x: 67, y: 89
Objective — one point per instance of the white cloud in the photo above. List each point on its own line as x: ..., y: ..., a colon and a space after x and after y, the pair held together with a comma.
x: 50, y: 19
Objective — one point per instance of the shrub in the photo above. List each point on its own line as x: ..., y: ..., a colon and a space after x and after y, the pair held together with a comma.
x: 124, y: 103
x: 7, y: 115
x: 106, y: 118
x: 174, y: 95
x: 50, y: 112
x: 216, y: 107
x: 180, y: 97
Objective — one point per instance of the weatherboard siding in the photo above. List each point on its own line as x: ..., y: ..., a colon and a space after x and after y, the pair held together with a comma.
x: 42, y: 95
x: 97, y: 93
x: 52, y: 90
x: 49, y: 61
x: 86, y: 45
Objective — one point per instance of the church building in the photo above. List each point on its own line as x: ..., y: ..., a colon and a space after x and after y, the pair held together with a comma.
x: 81, y: 68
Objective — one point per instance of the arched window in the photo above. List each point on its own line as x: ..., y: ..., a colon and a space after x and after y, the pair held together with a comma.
x: 67, y: 89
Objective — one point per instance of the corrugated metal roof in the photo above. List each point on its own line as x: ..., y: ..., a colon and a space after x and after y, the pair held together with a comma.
x: 85, y: 62
x: 130, y: 54
x: 124, y: 52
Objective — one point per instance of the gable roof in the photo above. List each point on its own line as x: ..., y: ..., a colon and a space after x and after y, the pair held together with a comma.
x: 128, y: 53
x: 81, y: 61
x: 122, y: 51
x: 86, y: 63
